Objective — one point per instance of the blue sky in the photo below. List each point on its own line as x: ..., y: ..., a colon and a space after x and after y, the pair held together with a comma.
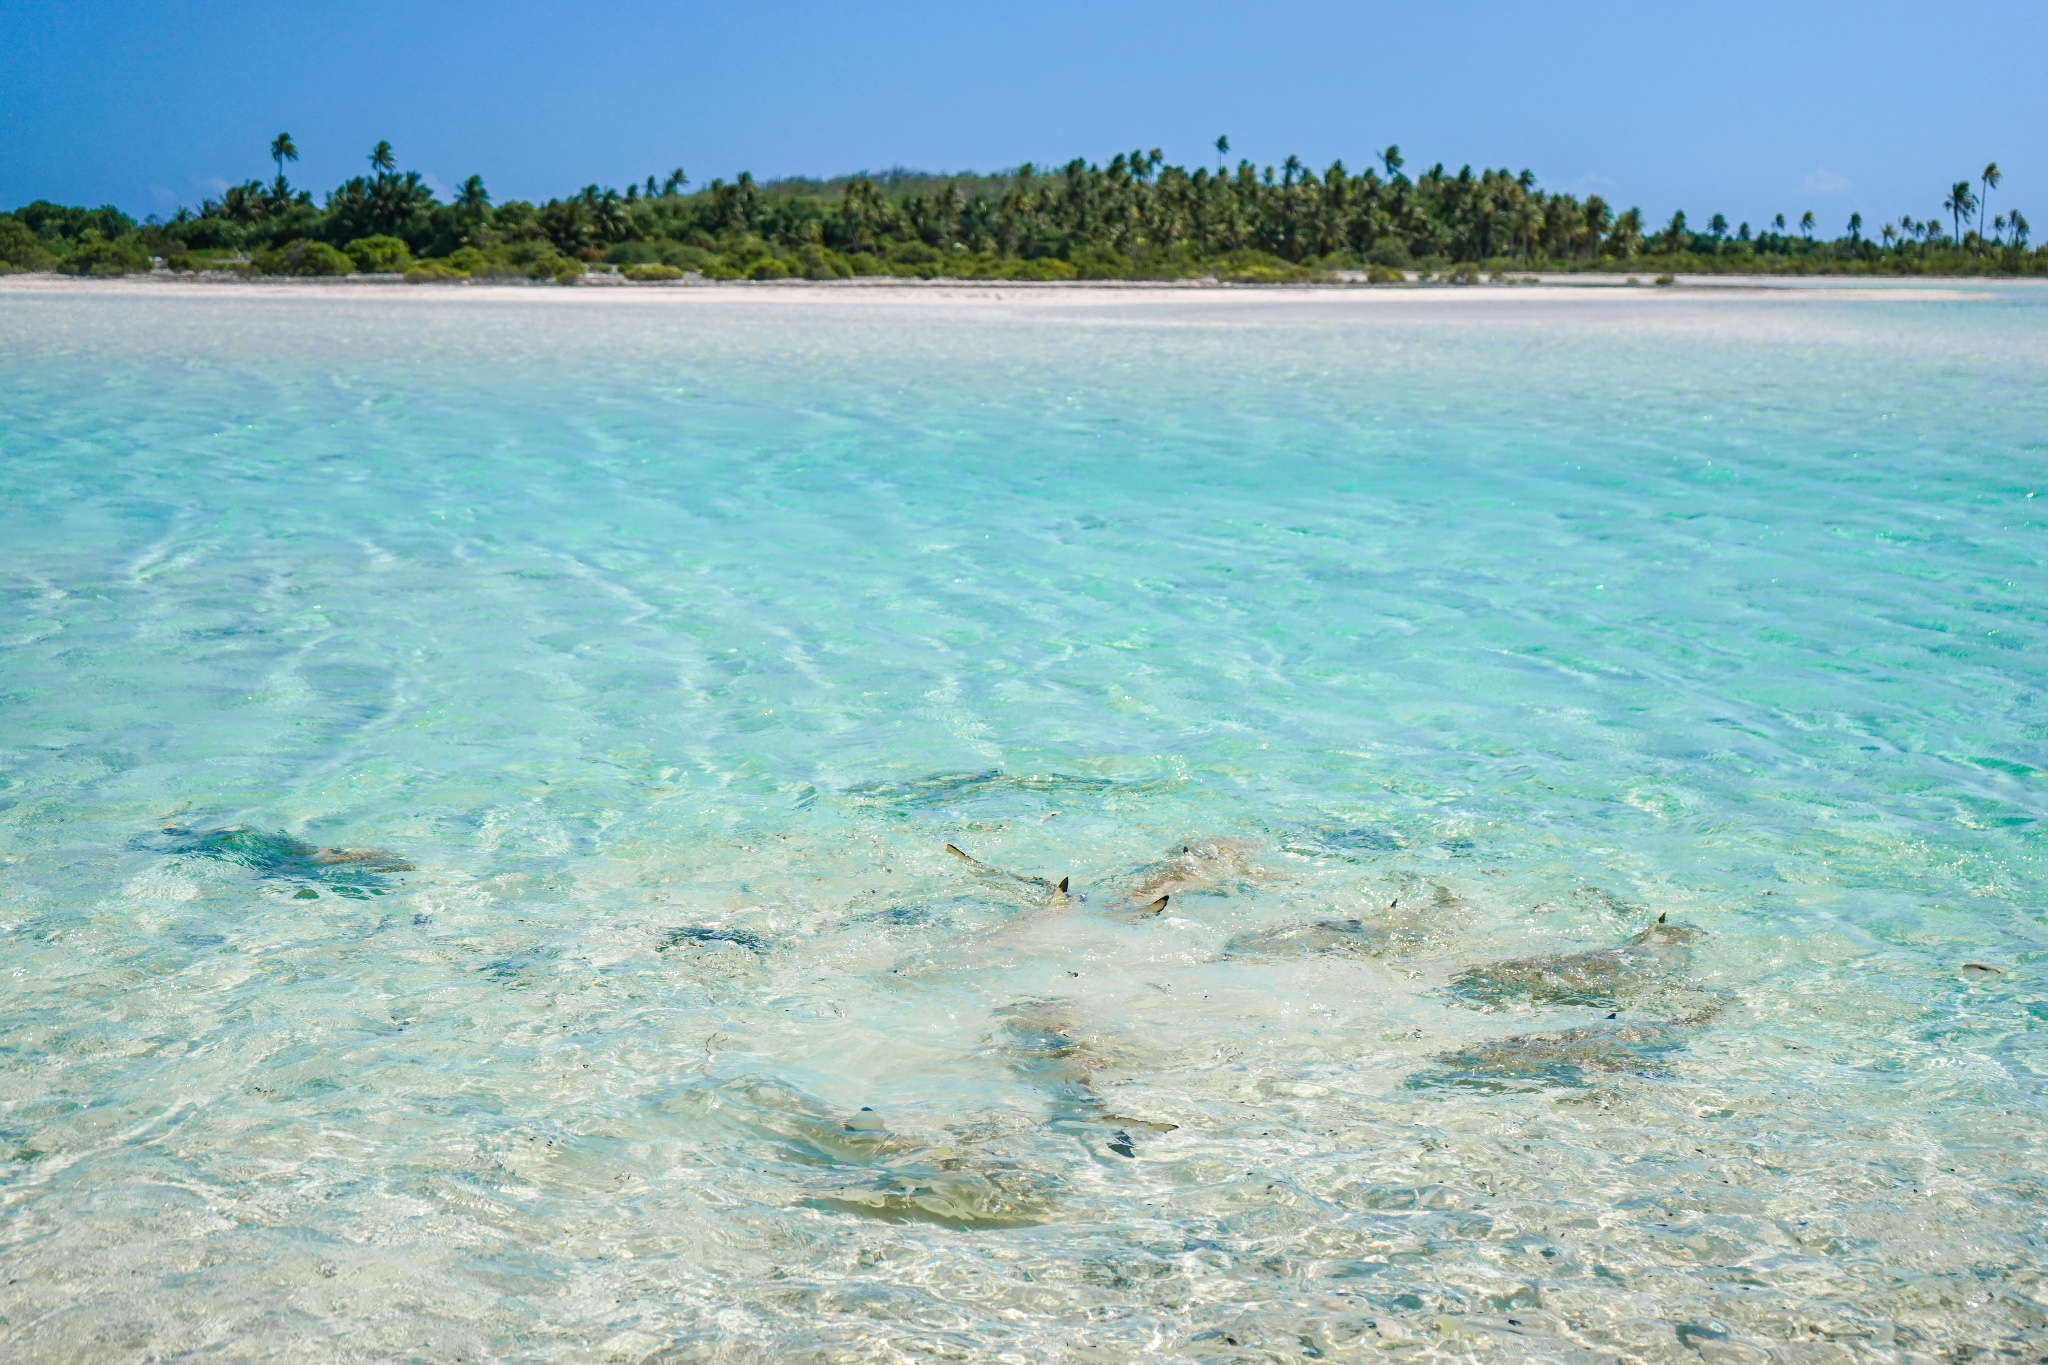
x: 1742, y: 108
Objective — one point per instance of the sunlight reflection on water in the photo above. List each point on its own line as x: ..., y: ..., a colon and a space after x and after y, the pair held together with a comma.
x: 478, y: 772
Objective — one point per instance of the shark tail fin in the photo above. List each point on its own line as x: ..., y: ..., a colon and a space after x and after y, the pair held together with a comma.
x: 977, y: 864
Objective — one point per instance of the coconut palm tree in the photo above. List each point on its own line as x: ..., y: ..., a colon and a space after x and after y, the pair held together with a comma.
x: 1778, y: 223
x: 1806, y: 224
x: 1718, y: 225
x: 1990, y: 178
x: 1958, y: 204
x: 1391, y: 159
x: 2017, y: 221
x: 473, y: 195
x: 382, y: 159
x: 1676, y: 238
x: 282, y: 149
x: 1889, y: 233
x: 675, y: 182
x: 1222, y: 150
x: 1855, y: 227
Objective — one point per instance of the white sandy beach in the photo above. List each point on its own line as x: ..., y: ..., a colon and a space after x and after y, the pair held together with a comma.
x: 1058, y: 294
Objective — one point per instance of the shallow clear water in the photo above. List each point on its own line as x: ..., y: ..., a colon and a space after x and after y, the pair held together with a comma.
x: 662, y: 643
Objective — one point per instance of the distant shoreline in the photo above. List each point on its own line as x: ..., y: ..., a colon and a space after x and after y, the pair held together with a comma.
x: 167, y: 284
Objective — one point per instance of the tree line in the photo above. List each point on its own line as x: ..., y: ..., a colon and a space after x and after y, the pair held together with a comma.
x: 1135, y: 217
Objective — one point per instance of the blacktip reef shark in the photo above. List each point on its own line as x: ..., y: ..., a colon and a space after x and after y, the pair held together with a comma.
x: 1566, y: 1056
x: 1392, y: 933
x: 356, y: 872
x: 1603, y: 978
x: 861, y: 1166
x: 1196, y: 867
x: 1057, y: 896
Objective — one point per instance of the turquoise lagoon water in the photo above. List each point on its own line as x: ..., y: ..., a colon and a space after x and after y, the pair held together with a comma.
x: 659, y: 643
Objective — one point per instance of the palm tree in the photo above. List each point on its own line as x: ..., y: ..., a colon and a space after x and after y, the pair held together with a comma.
x: 1676, y: 238
x: 1806, y: 224
x: 1391, y: 159
x: 1778, y: 223
x: 1889, y: 233
x: 1291, y: 168
x: 676, y: 180
x: 381, y: 158
x: 1855, y: 227
x: 282, y: 150
x: 1990, y: 177
x: 2017, y: 221
x: 1958, y: 204
x: 1718, y: 225
x: 473, y: 195
x: 1222, y: 150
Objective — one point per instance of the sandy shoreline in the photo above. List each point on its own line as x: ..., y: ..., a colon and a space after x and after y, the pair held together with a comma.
x: 1552, y: 288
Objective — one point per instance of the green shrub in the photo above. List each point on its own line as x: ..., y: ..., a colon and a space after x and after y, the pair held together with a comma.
x: 468, y: 260
x: 193, y: 260
x: 434, y: 272
x: 304, y: 258
x: 19, y: 249
x: 1100, y: 263
x: 1667, y: 279
x: 1387, y: 251
x: 1463, y: 274
x: 815, y: 262
x: 651, y: 274
x: 379, y: 255
x: 560, y: 269
x: 207, y: 234
x: 122, y: 256
x: 1384, y: 274
x: 684, y: 256
x: 1046, y: 268
x: 768, y: 268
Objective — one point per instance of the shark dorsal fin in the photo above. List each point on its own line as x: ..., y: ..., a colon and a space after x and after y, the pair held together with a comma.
x: 1156, y: 907
x: 1063, y: 886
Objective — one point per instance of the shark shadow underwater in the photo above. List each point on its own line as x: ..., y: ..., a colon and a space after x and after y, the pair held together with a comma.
x: 276, y: 856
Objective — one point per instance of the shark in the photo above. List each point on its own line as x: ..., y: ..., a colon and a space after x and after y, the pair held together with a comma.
x: 1567, y: 1056
x: 1602, y: 978
x: 354, y: 872
x: 1038, y: 893
x: 1195, y: 867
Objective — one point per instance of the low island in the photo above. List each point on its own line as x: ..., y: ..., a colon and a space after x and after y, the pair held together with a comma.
x: 1135, y: 218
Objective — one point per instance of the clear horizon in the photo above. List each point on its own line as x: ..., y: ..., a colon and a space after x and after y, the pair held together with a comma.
x: 1772, y: 112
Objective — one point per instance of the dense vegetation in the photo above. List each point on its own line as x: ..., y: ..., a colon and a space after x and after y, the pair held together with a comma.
x: 1134, y: 218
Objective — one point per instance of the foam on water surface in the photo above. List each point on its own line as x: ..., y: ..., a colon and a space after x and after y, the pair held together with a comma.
x: 476, y: 771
